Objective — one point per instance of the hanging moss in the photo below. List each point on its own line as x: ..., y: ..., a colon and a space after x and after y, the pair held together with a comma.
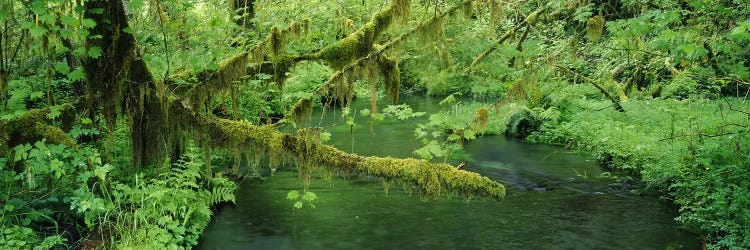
x: 212, y: 82
x: 277, y: 44
x: 573, y: 48
x: 391, y: 77
x: 401, y: 10
x: 496, y: 12
x: 302, y: 111
x: 432, y: 29
x: 594, y: 28
x: 481, y: 119
x: 467, y: 8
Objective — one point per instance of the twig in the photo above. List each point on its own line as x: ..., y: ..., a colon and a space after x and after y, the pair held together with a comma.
x: 702, y: 135
x: 164, y: 35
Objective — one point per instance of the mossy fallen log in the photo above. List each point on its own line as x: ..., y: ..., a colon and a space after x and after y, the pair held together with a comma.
x: 433, y: 179
x: 32, y: 126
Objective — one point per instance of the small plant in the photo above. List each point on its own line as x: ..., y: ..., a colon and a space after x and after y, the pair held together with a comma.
x: 300, y: 200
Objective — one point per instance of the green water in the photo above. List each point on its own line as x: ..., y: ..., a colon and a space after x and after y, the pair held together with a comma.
x: 555, y: 201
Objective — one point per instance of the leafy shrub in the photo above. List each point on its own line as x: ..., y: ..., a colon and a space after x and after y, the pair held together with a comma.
x: 681, y: 87
x: 53, y: 188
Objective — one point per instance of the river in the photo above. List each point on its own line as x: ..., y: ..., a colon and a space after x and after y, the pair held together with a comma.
x: 556, y: 199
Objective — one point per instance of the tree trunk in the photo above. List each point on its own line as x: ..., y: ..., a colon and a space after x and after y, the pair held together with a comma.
x: 245, y: 9
x: 120, y: 77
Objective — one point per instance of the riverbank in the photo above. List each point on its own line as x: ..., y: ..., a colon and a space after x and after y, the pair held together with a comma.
x: 693, y: 152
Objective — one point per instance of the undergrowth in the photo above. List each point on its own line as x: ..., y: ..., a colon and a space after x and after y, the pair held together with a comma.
x: 60, y: 197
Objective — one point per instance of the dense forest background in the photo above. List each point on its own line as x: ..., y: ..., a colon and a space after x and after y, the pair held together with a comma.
x: 124, y: 122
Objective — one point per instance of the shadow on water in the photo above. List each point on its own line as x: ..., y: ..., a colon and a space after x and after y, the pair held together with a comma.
x: 556, y: 200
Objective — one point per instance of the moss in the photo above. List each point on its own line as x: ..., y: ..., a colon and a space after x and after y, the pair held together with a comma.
x: 391, y: 76
x: 277, y: 44
x: 302, y: 111
x: 401, y: 10
x: 358, y: 44
x: 467, y: 8
x: 481, y: 119
x: 212, y: 82
x: 496, y: 12
x: 433, y: 179
x: 29, y: 128
x: 594, y: 28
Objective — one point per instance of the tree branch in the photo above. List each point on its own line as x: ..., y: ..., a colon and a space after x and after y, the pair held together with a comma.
x: 616, y: 102
x: 530, y: 19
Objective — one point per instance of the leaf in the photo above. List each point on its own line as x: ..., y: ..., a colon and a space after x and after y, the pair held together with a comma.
x: 364, y: 112
x: 102, y: 171
x: 88, y: 23
x: 325, y: 136
x: 4, y: 14
x: 470, y: 134
x: 212, y: 66
x: 62, y: 67
x: 54, y: 112
x: 48, y: 19
x: 454, y: 137
x: 310, y: 196
x: 37, y: 31
x: 128, y: 30
x: 39, y: 7
x: 292, y: 195
x: 66, y: 33
x: 76, y: 75
x: 298, y: 205
x: 97, y: 11
x: 448, y: 100
x: 134, y: 5
x: 95, y: 52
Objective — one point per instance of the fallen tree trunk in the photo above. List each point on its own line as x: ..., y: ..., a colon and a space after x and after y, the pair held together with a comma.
x: 432, y: 179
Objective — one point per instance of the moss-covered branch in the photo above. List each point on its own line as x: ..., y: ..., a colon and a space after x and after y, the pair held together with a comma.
x: 529, y: 20
x: 606, y: 94
x: 433, y: 179
x: 425, y: 28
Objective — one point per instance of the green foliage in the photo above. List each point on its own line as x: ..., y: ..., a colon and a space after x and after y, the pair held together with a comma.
x: 692, y: 149
x: 57, y: 184
x: 172, y: 209
x: 299, y: 200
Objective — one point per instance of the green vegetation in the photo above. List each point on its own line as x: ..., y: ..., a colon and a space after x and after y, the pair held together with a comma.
x: 96, y: 97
